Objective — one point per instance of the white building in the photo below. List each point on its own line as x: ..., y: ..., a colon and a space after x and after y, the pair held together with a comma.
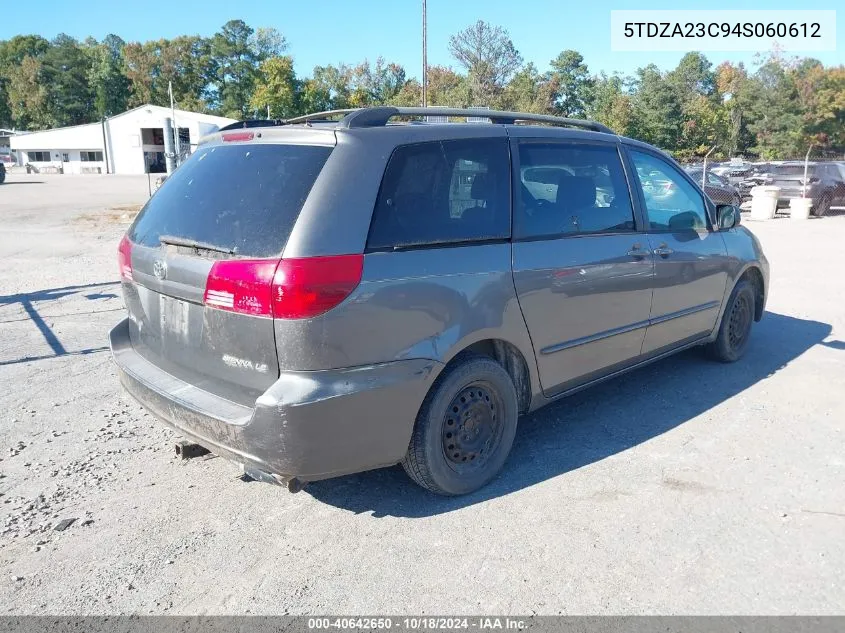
x: 128, y: 143
x: 6, y: 155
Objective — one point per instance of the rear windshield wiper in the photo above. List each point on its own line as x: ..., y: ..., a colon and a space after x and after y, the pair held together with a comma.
x: 184, y: 241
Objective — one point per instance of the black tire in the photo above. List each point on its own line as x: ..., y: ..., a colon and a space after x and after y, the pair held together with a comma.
x: 476, y: 397
x: 822, y: 207
x: 735, y: 329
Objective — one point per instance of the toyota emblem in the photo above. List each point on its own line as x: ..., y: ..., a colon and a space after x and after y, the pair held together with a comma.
x: 160, y: 269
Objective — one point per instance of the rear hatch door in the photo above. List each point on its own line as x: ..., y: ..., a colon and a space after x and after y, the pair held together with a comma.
x: 229, y: 201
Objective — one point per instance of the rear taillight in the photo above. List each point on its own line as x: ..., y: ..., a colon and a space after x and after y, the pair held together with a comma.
x: 124, y: 258
x: 308, y: 286
x: 287, y: 289
x: 241, y: 285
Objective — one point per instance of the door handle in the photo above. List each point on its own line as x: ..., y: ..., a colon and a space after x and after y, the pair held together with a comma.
x: 663, y: 250
x: 638, y: 251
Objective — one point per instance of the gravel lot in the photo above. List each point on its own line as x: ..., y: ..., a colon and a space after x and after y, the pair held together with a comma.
x: 685, y: 487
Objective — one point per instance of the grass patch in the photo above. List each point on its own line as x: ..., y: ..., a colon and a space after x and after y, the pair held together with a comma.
x: 120, y: 214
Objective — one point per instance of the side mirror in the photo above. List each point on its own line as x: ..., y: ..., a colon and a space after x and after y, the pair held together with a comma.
x: 727, y: 216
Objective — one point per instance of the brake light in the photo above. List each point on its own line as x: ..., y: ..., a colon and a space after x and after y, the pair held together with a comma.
x: 241, y: 285
x: 237, y: 136
x: 124, y: 258
x: 309, y: 286
x: 298, y: 288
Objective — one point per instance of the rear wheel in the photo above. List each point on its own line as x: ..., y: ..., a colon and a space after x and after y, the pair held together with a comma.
x: 735, y: 329
x: 465, y: 428
x: 822, y: 207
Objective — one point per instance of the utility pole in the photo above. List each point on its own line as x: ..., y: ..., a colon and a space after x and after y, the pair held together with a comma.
x: 425, y: 56
x: 176, y: 144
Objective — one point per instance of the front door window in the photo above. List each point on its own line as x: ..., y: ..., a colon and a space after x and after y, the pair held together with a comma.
x: 672, y: 203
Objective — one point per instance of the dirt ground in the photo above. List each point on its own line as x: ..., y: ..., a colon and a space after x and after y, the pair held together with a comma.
x: 685, y: 487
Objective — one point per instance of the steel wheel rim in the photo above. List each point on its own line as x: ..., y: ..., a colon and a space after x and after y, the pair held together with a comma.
x: 472, y: 427
x: 740, y: 322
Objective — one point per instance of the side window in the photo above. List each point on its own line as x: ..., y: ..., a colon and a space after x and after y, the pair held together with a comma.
x: 713, y: 179
x: 443, y: 192
x: 671, y: 202
x: 571, y: 189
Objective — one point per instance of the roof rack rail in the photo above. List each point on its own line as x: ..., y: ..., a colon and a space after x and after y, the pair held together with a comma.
x: 319, y: 116
x: 378, y: 116
x: 239, y: 125
x: 305, y: 118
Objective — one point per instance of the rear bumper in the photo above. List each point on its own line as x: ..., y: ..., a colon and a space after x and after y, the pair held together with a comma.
x: 785, y: 195
x: 307, y: 426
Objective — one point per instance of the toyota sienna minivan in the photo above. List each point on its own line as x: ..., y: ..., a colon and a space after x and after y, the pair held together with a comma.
x: 350, y: 290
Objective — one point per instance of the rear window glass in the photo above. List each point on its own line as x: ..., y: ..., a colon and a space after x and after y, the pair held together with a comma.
x: 240, y: 197
x: 443, y: 192
x: 571, y: 189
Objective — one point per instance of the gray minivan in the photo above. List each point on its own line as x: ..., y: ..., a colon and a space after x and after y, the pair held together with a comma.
x: 350, y: 290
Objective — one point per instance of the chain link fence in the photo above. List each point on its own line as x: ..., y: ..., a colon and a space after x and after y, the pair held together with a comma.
x: 732, y: 182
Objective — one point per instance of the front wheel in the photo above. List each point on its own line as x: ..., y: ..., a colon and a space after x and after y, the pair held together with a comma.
x: 735, y: 329
x: 465, y: 428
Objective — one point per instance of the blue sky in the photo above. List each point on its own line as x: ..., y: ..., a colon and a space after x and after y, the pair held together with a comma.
x: 350, y: 31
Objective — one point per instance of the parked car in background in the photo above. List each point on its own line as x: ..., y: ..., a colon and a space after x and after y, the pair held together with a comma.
x: 734, y: 171
x: 313, y: 298
x: 755, y: 177
x: 717, y: 187
x: 825, y: 184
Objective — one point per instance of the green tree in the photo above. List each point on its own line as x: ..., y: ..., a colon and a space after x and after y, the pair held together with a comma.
x: 267, y: 42
x: 573, y: 83
x: 529, y: 91
x: 329, y: 87
x: 235, y: 67
x: 692, y: 77
x: 65, y: 68
x: 105, y: 77
x: 732, y: 83
x: 821, y: 93
x: 277, y: 89
x: 236, y: 53
x: 410, y: 95
x: 611, y: 104
x: 184, y: 61
x: 775, y: 116
x: 704, y: 119
x: 141, y: 67
x: 656, y: 109
x: 448, y: 88
x: 314, y: 96
x: 27, y: 95
x: 12, y: 54
x: 490, y: 58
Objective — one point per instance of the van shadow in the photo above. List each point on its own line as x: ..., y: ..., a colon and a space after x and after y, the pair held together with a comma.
x: 28, y: 300
x: 593, y: 424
